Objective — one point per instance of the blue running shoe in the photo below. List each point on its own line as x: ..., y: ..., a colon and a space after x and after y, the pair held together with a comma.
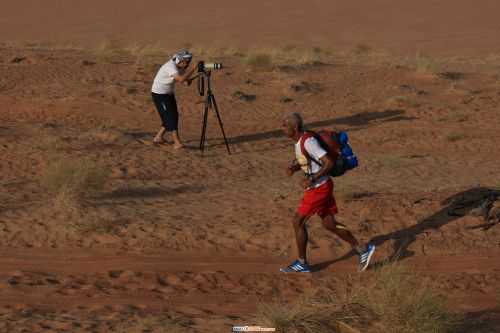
x: 364, y: 258
x: 296, y: 267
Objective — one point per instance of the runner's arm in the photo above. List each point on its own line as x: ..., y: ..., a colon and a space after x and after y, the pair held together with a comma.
x: 293, y: 168
x: 319, y: 156
x: 326, y: 165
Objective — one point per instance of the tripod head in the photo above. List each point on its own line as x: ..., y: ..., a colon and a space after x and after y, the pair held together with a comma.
x: 204, y: 72
x: 202, y: 66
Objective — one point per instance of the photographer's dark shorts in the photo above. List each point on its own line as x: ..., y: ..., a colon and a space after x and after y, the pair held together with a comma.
x: 166, y: 105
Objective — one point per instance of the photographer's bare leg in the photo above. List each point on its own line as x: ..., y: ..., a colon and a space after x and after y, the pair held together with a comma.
x: 160, y: 136
x: 177, y: 141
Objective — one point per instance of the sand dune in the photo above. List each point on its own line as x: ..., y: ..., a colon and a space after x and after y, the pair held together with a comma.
x: 409, y: 26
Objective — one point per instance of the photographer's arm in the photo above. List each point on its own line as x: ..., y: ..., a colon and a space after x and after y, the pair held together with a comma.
x: 186, y: 76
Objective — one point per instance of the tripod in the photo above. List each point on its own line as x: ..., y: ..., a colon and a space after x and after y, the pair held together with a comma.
x: 209, y: 104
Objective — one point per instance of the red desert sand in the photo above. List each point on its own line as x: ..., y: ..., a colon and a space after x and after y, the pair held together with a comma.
x: 101, y: 231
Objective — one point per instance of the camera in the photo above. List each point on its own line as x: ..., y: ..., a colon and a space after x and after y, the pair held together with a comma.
x: 202, y: 66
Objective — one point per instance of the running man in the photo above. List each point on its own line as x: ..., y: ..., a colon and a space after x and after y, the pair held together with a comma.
x: 318, y: 196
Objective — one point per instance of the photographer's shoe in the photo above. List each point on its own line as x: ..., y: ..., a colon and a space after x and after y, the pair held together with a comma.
x: 296, y: 267
x: 364, y: 257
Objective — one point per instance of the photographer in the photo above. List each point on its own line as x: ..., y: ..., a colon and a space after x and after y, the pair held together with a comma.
x: 163, y: 93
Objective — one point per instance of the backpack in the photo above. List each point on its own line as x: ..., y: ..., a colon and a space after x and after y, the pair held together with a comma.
x: 337, y: 146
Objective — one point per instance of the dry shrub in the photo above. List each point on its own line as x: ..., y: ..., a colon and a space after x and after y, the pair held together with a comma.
x: 107, y: 135
x: 402, y: 101
x: 290, y: 56
x: 78, y: 176
x: 48, y: 144
x: 454, y: 137
x: 110, y: 49
x: 392, y: 299
x: 403, y: 302
x: 304, y: 316
x: 69, y: 181
x: 424, y: 65
x: 258, y: 61
x: 298, y: 57
x: 144, y: 52
x: 362, y: 49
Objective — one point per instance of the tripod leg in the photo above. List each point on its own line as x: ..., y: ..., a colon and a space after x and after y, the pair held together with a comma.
x: 212, y: 97
x: 204, y: 128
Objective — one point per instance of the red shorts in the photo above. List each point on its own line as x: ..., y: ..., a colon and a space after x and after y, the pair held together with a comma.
x: 319, y: 201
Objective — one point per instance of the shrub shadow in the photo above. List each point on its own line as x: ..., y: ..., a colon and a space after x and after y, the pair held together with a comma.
x: 150, y: 192
x: 487, y: 321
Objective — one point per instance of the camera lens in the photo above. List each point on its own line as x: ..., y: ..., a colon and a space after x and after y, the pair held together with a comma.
x: 215, y: 66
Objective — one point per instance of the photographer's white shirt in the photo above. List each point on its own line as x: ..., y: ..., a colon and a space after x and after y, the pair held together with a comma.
x: 164, y: 82
x: 311, y: 145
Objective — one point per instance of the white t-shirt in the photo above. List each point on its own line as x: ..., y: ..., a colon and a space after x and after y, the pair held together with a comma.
x: 313, y: 148
x: 164, y: 82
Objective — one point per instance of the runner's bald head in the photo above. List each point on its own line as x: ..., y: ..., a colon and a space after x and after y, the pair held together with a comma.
x: 294, y: 120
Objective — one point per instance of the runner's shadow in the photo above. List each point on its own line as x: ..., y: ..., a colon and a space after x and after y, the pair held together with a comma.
x: 454, y: 207
x: 324, y: 265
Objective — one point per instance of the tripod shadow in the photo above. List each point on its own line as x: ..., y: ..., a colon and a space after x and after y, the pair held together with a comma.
x: 454, y: 207
x: 359, y: 119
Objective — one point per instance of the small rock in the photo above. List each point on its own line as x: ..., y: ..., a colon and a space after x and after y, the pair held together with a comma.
x: 52, y: 281
x: 132, y: 90
x: 161, y: 281
x: 454, y: 76
x: 115, y: 274
x: 88, y: 63
x: 306, y: 87
x: 13, y: 281
x: 244, y: 97
x: 18, y: 60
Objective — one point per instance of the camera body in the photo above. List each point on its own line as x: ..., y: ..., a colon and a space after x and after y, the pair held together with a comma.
x: 203, y: 67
